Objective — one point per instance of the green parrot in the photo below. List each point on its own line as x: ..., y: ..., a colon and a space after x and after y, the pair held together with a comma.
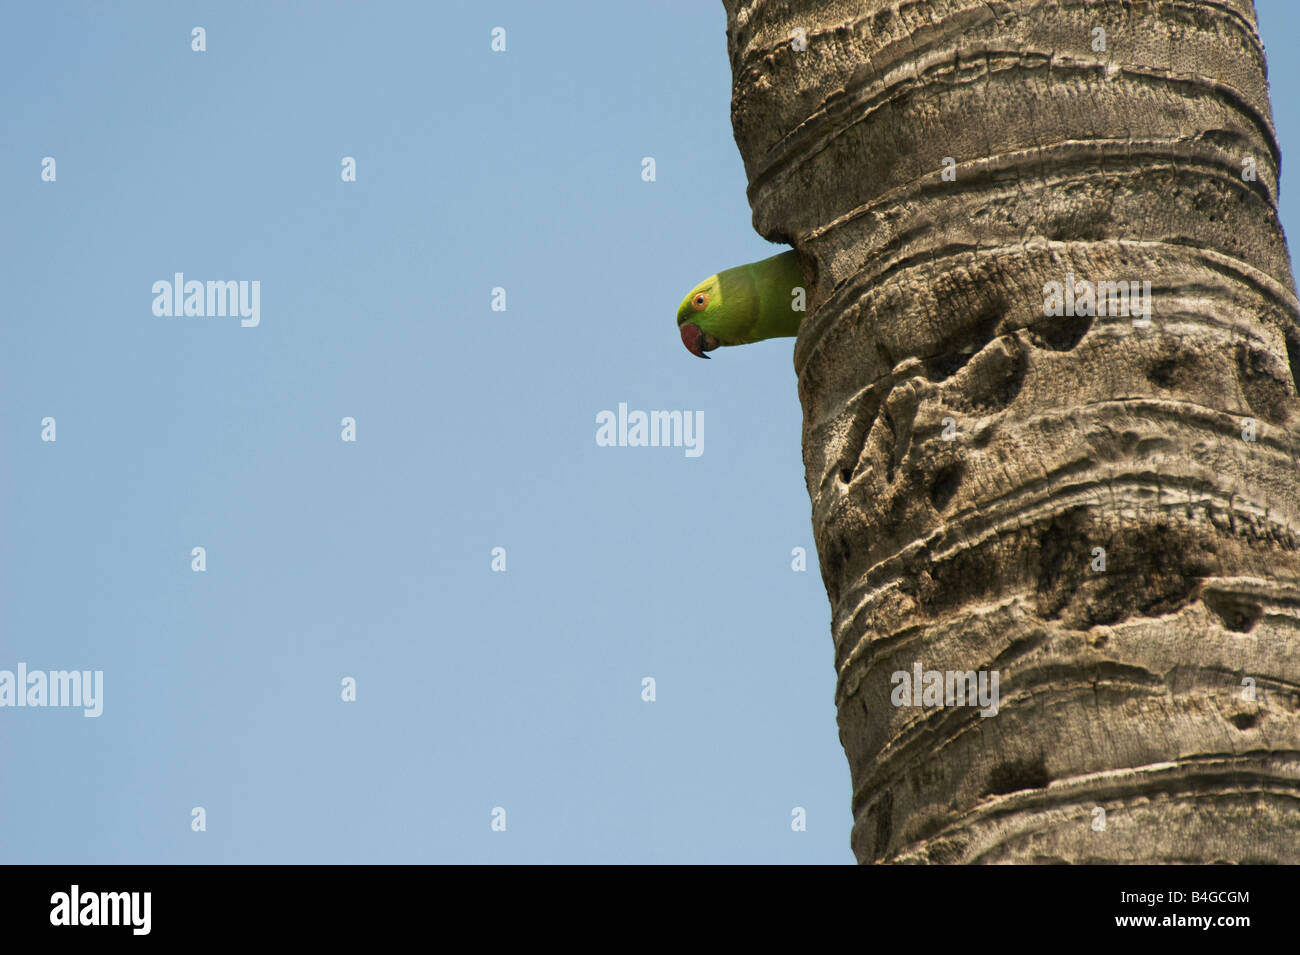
x: 746, y: 304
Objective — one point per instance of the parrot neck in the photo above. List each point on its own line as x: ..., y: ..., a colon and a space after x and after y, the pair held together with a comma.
x: 776, y: 279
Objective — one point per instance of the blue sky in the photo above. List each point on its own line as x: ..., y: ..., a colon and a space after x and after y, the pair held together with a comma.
x: 475, y: 429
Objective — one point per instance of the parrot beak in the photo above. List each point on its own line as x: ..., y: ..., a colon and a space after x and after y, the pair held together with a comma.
x: 697, y: 342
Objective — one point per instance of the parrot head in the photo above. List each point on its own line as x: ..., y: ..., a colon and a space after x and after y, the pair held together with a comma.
x: 696, y: 314
x: 746, y: 304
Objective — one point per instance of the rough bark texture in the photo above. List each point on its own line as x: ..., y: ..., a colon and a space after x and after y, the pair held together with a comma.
x: 1120, y: 689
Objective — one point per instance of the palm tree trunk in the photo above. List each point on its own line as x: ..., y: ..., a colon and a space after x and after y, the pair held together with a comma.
x: 1104, y: 513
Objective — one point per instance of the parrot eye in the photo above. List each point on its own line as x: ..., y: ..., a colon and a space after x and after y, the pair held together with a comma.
x: 700, y: 301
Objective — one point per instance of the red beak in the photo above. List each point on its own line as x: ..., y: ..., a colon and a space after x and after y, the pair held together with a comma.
x: 693, y: 339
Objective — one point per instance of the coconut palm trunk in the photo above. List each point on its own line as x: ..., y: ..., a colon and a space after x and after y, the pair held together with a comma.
x: 1023, y: 459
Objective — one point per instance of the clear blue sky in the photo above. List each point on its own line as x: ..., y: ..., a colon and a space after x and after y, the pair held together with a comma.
x: 475, y: 429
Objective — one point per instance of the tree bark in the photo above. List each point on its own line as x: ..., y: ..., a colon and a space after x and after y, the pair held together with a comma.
x: 1164, y: 689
